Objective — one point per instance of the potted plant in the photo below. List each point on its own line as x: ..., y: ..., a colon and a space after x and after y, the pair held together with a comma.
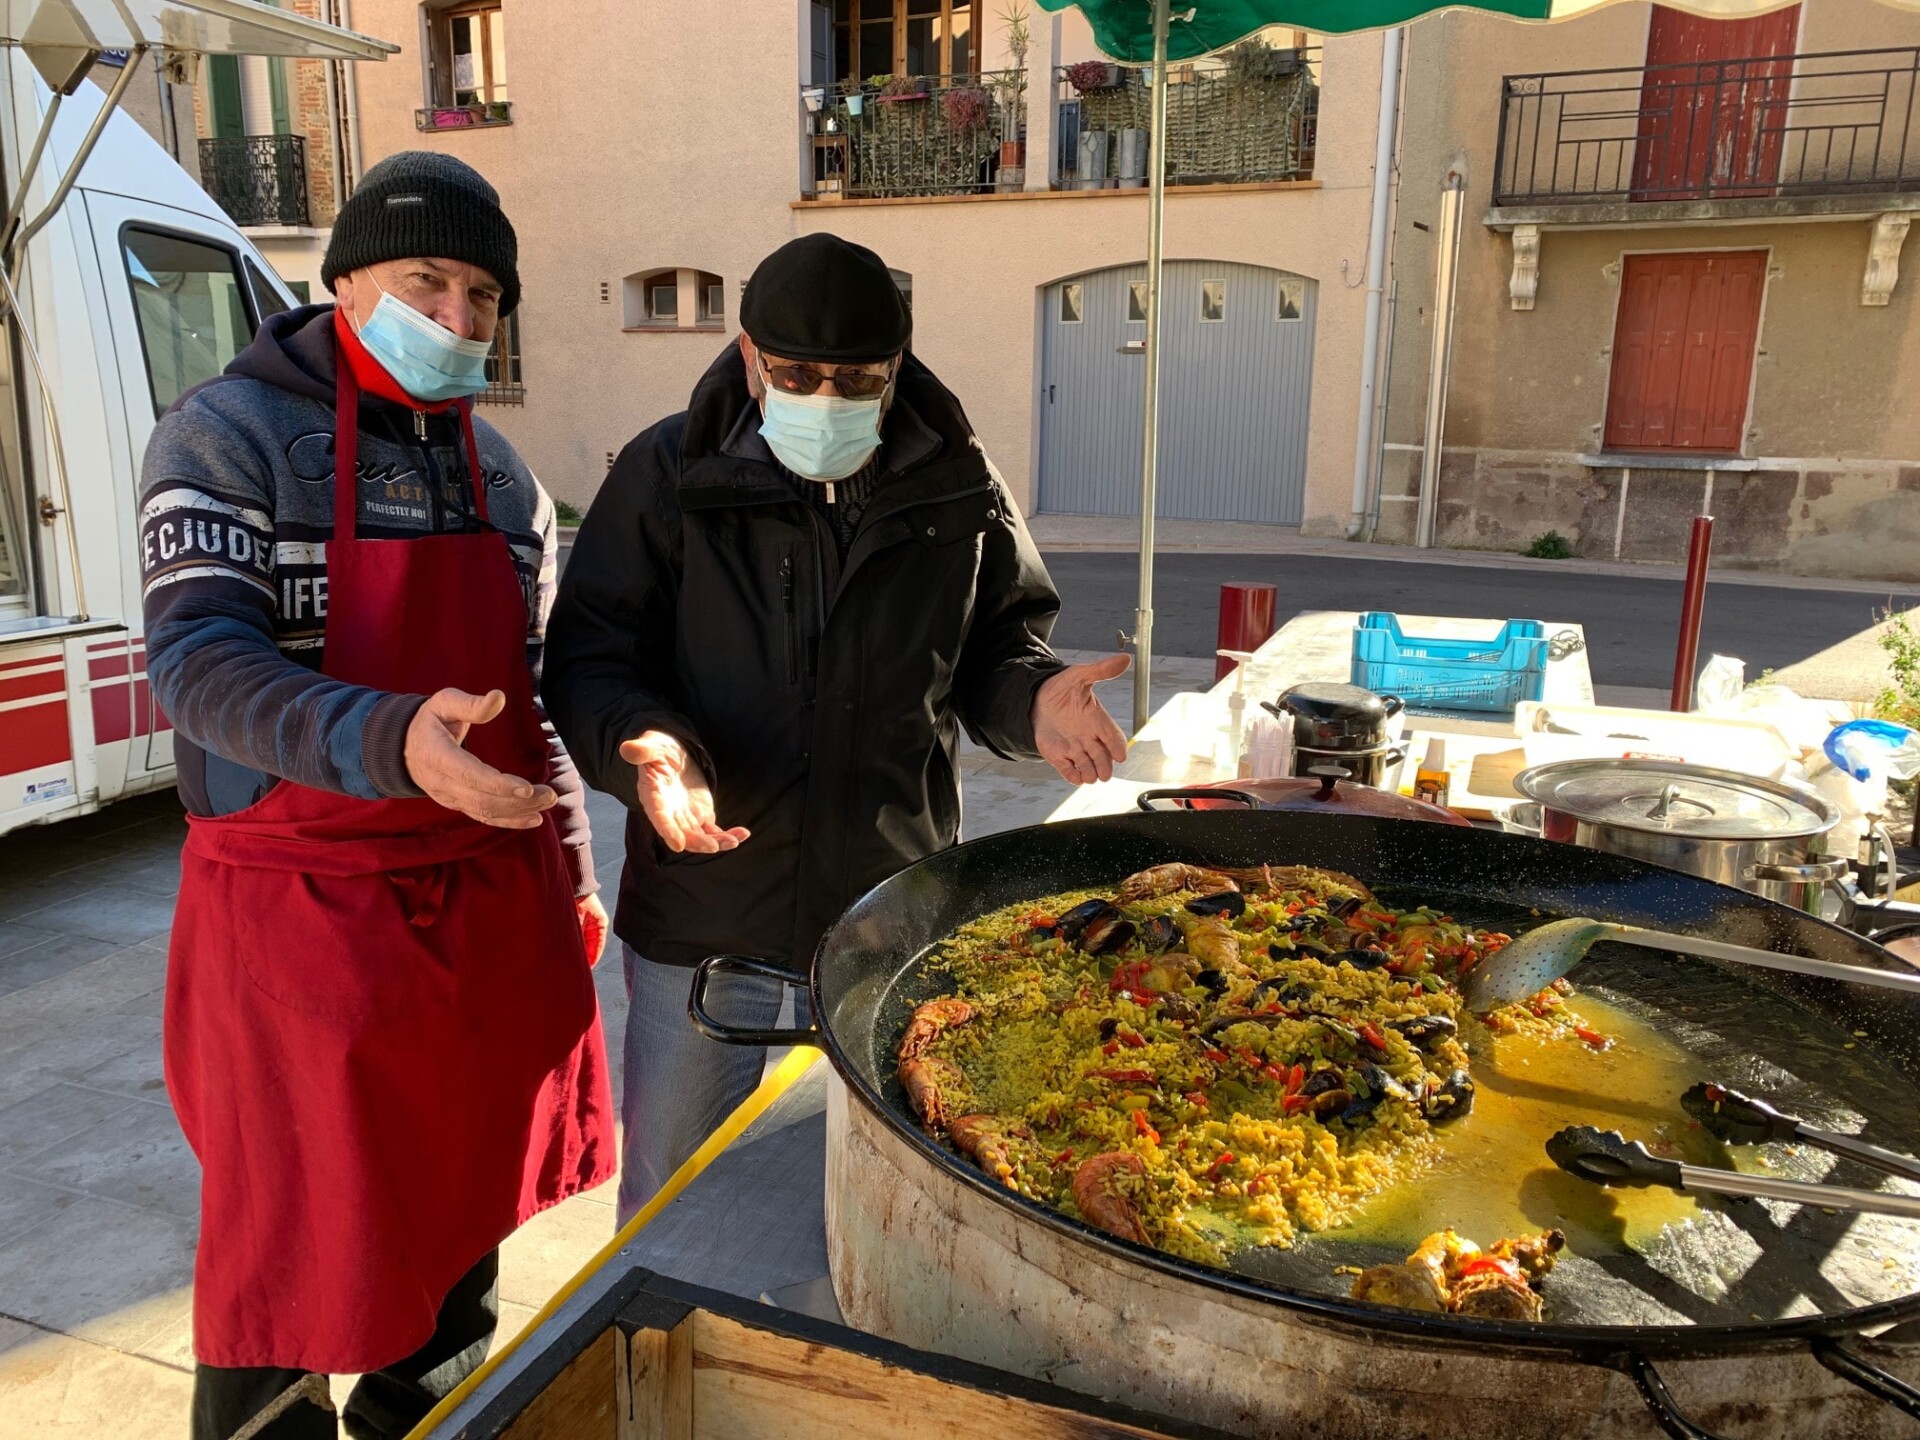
x: 904, y: 87
x: 1090, y: 75
x: 499, y: 112
x: 856, y: 98
x: 967, y: 109
x: 1010, y: 91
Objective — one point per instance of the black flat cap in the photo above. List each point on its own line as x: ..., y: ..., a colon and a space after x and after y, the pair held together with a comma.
x: 825, y: 299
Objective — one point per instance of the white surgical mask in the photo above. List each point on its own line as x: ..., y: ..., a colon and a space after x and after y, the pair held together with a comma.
x: 425, y: 359
x: 821, y: 437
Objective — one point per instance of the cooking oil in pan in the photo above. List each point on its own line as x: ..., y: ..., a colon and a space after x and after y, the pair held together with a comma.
x: 1491, y: 1177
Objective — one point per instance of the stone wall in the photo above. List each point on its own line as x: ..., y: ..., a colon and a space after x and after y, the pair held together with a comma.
x: 1848, y: 519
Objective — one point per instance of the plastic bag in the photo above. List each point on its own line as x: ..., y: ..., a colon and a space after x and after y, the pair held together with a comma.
x: 1720, y: 683
x: 1874, y: 750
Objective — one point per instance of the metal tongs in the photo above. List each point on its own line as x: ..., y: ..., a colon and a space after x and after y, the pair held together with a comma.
x: 1737, y: 1119
x: 1606, y: 1157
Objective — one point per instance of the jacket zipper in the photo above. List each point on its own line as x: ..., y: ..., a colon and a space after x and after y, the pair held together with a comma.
x: 793, y: 619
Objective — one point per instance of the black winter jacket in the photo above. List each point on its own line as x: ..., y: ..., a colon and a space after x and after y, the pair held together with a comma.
x: 706, y: 598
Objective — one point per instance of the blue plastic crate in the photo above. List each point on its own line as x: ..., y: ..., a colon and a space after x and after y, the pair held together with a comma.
x: 1493, y: 674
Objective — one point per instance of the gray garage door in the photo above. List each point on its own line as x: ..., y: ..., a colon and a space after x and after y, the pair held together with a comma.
x: 1236, y: 373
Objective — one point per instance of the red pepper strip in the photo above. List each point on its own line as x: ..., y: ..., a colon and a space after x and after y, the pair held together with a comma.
x: 1065, y: 1157
x: 1140, y: 1124
x: 1249, y: 1059
x: 1373, y: 1037
x: 1293, y: 1103
x: 1296, y: 1077
x: 1195, y: 1097
x: 1272, y: 1072
x: 1218, y: 1057
x: 1592, y: 1037
x: 1273, y: 1007
x: 1112, y: 1047
x: 1213, y: 1170
x: 1129, y: 977
x: 1490, y: 1263
x: 1125, y: 1077
x: 1131, y: 1040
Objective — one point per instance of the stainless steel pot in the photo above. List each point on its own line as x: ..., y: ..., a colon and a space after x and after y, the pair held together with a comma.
x: 1369, y: 767
x: 1763, y: 836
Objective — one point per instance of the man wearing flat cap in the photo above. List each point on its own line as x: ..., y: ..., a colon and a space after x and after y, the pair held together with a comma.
x: 782, y: 607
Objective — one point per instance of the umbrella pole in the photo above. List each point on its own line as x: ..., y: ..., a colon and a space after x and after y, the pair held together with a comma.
x: 1150, y: 448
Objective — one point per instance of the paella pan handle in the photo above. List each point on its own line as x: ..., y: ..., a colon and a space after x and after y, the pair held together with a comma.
x: 726, y: 1034
x: 1870, y: 1378
x: 1177, y: 799
x: 1653, y: 1390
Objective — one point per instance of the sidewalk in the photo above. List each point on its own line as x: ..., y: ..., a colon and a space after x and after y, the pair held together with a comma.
x: 1068, y: 533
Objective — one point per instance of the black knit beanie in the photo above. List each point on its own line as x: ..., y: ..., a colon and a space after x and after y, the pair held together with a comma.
x: 421, y: 203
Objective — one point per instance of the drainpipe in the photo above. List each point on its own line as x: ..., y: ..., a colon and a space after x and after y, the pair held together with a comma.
x: 1363, y: 447
x: 352, y: 162
x: 1445, y: 276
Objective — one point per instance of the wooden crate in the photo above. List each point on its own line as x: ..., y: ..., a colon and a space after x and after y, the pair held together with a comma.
x: 676, y: 1362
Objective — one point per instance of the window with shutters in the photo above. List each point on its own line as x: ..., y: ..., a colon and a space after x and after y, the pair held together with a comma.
x: 673, y: 298
x: 1683, y: 349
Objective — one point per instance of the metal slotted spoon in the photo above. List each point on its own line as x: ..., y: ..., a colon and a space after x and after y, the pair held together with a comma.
x: 1533, y: 961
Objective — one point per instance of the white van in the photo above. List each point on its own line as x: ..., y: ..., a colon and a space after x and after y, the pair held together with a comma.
x: 134, y: 287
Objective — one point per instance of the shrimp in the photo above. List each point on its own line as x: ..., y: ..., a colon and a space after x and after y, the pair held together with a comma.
x: 1166, y: 879
x: 1100, y: 1202
x: 982, y: 1139
x: 930, y: 1021
x: 924, y: 1081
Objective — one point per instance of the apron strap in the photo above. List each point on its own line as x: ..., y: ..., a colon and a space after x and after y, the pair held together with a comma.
x: 346, y: 452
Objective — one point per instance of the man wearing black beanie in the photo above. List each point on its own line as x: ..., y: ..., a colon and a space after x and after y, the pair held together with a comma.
x: 782, y: 607
x: 381, y: 1031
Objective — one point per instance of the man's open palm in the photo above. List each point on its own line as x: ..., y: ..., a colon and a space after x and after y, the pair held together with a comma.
x: 1071, y: 728
x: 675, y: 797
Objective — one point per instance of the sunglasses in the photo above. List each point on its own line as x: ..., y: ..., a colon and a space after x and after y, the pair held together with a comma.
x: 807, y: 380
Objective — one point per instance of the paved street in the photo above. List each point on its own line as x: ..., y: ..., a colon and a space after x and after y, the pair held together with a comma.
x: 1631, y: 621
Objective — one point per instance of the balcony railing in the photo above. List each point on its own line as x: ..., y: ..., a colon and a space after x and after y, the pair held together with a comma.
x: 1779, y: 127
x: 478, y: 115
x: 1249, y: 116
x: 919, y: 135
x: 258, y: 179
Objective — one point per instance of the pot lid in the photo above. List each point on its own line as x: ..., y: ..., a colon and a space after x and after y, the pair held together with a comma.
x: 1669, y: 798
x: 1331, y: 712
x: 1323, y: 790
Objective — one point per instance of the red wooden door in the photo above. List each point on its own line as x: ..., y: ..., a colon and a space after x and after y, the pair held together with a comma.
x: 1713, y: 105
x: 1683, y: 350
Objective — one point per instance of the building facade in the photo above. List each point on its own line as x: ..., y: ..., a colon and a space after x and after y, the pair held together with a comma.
x: 1678, y: 287
x: 649, y: 170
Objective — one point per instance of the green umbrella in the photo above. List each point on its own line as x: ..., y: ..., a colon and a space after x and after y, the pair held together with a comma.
x: 1151, y: 31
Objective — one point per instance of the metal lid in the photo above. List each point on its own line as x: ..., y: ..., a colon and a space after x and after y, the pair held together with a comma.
x: 1332, y: 716
x: 1669, y: 798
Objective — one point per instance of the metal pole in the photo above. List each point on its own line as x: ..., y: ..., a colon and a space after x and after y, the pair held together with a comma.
x: 1699, y: 551
x: 18, y: 243
x: 1150, y: 425
x: 1376, y: 272
x: 1446, y: 273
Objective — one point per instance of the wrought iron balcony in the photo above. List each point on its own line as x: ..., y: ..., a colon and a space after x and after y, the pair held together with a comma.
x: 258, y: 179
x: 1247, y: 116
x: 916, y: 135
x: 1779, y: 128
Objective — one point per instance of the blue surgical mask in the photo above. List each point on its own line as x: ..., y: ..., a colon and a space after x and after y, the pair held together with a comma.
x: 821, y: 437
x: 425, y: 359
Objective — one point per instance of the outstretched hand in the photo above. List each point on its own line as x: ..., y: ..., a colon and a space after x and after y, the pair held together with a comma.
x: 675, y: 797
x: 439, y: 764
x: 1072, y: 729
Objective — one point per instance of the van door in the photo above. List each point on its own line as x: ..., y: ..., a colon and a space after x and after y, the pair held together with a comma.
x: 181, y: 307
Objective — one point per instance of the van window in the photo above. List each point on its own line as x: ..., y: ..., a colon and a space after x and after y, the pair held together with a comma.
x: 192, y: 307
x: 266, y: 300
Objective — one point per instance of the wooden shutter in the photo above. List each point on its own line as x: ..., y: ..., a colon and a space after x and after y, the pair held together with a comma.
x: 223, y: 90
x: 1712, y: 104
x: 1683, y: 350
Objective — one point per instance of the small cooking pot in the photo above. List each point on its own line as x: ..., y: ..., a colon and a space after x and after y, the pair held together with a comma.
x: 1760, y: 835
x: 1340, y: 725
x: 1322, y: 792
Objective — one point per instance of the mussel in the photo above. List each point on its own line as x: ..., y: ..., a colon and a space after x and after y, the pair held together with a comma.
x: 1159, y: 935
x: 1107, y: 932
x: 1213, y: 982
x: 1448, y: 1099
x: 1074, y: 923
x: 1310, y: 950
x: 1423, y: 1030
x: 1229, y: 903
x: 1281, y: 989
x: 1178, y: 1007
x: 1360, y: 959
x: 1375, y: 1085
x: 1341, y: 909
x: 1322, y: 1080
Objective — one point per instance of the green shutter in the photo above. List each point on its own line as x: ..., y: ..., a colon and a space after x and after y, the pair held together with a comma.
x: 277, y: 89
x: 223, y: 89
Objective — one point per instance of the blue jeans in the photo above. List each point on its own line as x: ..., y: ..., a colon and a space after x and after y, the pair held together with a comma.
x: 678, y: 1086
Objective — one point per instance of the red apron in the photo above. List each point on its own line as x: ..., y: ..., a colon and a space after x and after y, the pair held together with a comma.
x: 382, y: 1037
